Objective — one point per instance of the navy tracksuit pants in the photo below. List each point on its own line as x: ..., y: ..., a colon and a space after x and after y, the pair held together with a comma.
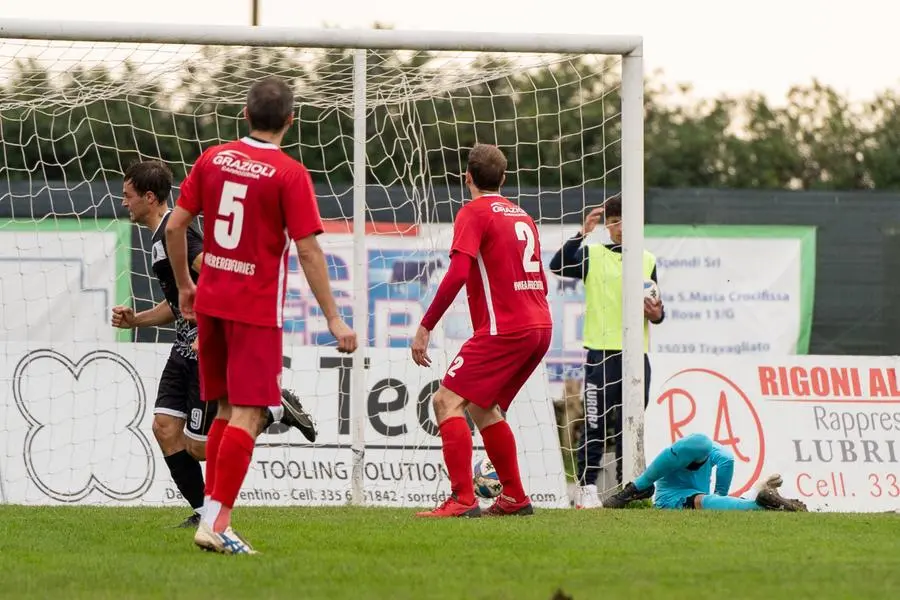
x: 603, y: 412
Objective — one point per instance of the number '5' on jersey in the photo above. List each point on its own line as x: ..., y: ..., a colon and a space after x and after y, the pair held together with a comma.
x: 255, y: 200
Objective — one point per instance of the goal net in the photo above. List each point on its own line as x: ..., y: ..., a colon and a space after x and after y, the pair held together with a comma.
x: 77, y: 395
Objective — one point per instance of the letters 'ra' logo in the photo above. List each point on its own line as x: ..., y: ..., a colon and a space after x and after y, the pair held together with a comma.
x: 705, y: 401
x: 83, y: 425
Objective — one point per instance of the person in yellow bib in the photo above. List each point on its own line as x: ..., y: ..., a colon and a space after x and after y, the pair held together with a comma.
x: 599, y: 266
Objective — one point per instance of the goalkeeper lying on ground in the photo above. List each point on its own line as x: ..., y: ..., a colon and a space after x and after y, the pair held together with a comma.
x: 680, y: 477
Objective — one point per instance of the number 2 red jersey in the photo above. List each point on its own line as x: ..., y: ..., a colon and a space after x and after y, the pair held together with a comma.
x: 507, y: 287
x: 255, y: 200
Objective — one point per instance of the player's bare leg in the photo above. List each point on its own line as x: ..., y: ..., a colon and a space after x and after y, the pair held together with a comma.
x: 456, y: 440
x: 500, y: 445
x: 182, y: 459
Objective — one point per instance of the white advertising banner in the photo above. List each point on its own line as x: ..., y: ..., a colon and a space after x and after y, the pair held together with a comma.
x: 734, y: 290
x: 77, y: 429
x: 60, y: 278
x: 728, y: 290
x: 829, y: 424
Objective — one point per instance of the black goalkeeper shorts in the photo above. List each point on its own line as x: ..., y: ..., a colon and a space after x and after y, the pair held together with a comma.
x: 179, y: 396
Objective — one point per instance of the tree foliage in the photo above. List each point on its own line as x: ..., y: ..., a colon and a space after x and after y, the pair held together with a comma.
x: 559, y: 124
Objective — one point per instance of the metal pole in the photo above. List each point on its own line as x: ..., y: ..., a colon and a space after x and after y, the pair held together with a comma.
x: 632, y: 265
x: 254, y: 13
x: 360, y: 271
x: 373, y: 39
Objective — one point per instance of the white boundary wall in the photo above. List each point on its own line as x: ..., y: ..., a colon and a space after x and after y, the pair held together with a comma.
x: 77, y: 429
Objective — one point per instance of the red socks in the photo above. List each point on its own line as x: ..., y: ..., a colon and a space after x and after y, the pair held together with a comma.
x: 213, y: 441
x: 500, y: 445
x: 228, y: 453
x: 232, y: 463
x: 457, y: 446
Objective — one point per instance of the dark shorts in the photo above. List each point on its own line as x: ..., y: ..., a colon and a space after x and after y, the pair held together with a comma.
x: 179, y: 396
x: 491, y: 369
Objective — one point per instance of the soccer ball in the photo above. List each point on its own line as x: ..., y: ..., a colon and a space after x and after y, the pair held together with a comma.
x: 651, y: 290
x: 487, y: 484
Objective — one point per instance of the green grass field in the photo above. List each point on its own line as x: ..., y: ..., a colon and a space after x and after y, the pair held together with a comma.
x: 358, y: 553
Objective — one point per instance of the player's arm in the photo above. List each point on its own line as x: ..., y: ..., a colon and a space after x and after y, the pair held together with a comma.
x: 189, y: 204
x: 724, y: 462
x: 572, y: 259
x: 124, y: 317
x: 176, y: 243
x: 194, y: 249
x: 304, y: 224
x: 312, y: 261
x: 467, y: 234
x: 453, y: 281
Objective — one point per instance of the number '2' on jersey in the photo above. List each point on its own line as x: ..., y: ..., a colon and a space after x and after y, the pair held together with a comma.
x: 507, y: 287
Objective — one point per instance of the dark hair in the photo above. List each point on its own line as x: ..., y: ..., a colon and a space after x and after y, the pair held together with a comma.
x: 613, y: 206
x: 150, y: 176
x: 270, y: 103
x: 487, y: 166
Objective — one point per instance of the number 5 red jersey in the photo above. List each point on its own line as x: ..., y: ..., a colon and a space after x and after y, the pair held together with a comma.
x: 507, y: 287
x: 255, y: 200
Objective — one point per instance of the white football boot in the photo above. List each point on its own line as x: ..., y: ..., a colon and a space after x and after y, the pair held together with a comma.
x: 227, y: 542
x: 207, y: 539
x: 586, y: 496
x: 235, y: 544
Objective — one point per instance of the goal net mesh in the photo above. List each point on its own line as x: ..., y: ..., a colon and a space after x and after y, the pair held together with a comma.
x: 77, y: 396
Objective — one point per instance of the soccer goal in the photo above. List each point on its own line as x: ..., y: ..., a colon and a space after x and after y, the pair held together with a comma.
x: 384, y: 121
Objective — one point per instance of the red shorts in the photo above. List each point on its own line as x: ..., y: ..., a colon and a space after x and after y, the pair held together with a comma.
x: 491, y: 369
x: 240, y: 361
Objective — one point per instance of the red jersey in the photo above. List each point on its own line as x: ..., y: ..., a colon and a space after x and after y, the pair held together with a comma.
x: 255, y: 200
x: 506, y: 288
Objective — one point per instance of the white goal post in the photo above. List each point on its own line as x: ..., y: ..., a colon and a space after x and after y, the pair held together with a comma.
x: 366, y: 80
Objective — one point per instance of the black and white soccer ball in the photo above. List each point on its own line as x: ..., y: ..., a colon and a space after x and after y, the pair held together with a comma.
x: 487, y: 482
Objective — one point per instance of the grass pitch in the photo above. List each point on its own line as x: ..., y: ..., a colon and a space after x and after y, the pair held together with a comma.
x: 84, y: 552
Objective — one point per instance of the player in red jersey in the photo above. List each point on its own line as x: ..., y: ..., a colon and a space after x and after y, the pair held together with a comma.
x: 255, y: 199
x: 497, y: 255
